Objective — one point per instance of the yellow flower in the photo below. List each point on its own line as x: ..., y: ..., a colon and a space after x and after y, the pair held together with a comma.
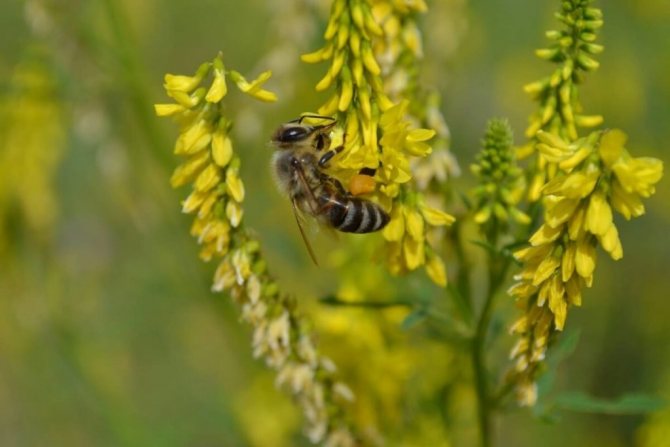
x: 379, y: 135
x: 578, y: 216
x: 212, y: 168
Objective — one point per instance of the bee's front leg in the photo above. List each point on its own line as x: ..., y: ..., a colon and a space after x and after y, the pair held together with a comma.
x: 325, y: 158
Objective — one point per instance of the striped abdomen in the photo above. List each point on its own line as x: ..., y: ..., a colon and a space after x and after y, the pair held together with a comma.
x: 352, y: 215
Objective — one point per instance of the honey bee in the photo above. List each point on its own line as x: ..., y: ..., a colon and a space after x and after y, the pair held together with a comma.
x: 298, y: 167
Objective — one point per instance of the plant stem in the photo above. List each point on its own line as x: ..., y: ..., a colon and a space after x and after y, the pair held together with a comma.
x: 498, y: 266
x: 479, y: 368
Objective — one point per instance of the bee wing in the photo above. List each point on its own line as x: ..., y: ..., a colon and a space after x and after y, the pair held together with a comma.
x: 298, y: 220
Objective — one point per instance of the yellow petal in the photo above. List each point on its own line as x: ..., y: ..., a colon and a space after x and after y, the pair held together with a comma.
x: 420, y: 134
x: 194, y: 139
x: 208, y: 178
x: 568, y: 261
x: 545, y: 269
x: 611, y: 243
x: 436, y: 217
x: 168, y: 109
x: 545, y: 234
x: 626, y: 203
x: 235, y: 185
x: 413, y: 252
x: 414, y: 223
x: 187, y: 170
x: 234, y: 213
x: 585, y: 258
x: 193, y: 201
x: 612, y: 145
x: 598, y: 214
x: 437, y: 271
x: 222, y: 149
x: 395, y: 229
x: 576, y: 228
x: 559, y: 211
x: 218, y: 88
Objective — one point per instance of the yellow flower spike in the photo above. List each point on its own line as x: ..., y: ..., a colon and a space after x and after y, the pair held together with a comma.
x: 168, y: 109
x: 585, y: 258
x: 611, y: 243
x: 436, y: 270
x: 208, y: 178
x: 598, y: 215
x: 222, y: 148
x: 234, y: 185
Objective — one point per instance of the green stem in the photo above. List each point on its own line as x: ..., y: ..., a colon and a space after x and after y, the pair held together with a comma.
x: 485, y: 403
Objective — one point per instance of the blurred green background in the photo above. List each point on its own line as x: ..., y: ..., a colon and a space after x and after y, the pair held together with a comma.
x: 109, y: 335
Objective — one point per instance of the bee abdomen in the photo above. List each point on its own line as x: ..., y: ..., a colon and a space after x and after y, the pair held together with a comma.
x: 359, y: 216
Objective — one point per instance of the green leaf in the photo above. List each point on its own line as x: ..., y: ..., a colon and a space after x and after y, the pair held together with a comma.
x: 634, y: 403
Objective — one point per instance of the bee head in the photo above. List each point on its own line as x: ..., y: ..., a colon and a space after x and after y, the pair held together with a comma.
x: 293, y: 134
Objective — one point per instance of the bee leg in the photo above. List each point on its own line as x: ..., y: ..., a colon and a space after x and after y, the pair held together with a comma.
x: 325, y: 158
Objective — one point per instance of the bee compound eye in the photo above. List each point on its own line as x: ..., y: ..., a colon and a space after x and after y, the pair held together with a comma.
x: 293, y: 134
